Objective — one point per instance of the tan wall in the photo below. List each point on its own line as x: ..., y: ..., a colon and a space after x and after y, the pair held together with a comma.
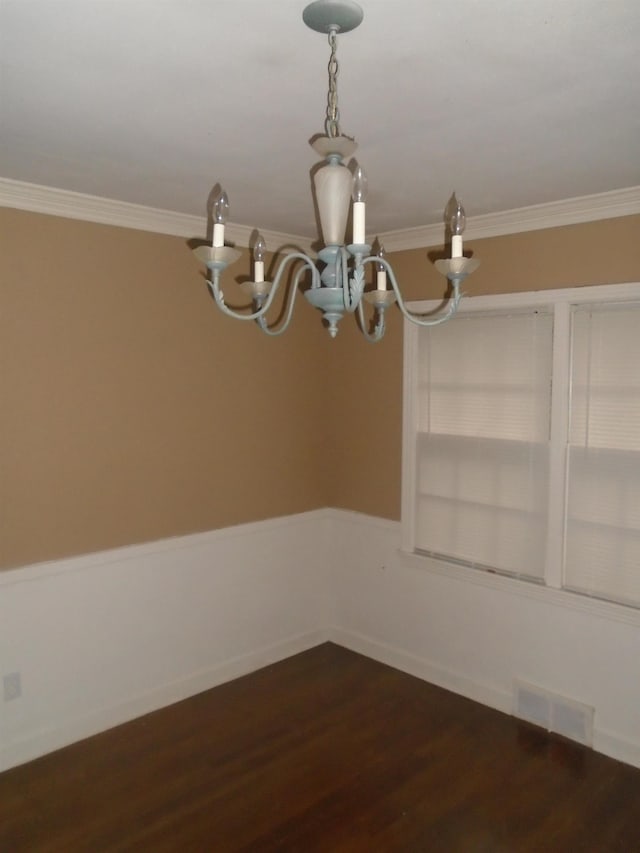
x: 131, y: 409
x: 367, y: 451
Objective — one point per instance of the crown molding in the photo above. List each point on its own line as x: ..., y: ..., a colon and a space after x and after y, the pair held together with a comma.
x: 571, y: 211
x: 106, y: 211
x: 90, y: 208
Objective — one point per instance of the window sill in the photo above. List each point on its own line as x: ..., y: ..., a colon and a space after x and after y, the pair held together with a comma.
x: 524, y: 588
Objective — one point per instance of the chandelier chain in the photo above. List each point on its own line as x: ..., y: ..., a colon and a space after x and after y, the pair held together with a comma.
x: 332, y: 124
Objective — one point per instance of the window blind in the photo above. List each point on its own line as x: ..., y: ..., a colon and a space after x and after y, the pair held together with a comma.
x: 603, y: 499
x: 482, y: 451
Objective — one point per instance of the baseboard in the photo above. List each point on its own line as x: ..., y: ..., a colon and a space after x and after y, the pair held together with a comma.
x: 616, y: 747
x: 421, y: 668
x: 79, y: 728
x: 604, y: 742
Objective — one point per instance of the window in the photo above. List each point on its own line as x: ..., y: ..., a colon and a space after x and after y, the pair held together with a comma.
x: 603, y: 503
x: 522, y: 439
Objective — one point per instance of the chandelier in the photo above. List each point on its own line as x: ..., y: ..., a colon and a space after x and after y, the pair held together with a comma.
x: 336, y: 278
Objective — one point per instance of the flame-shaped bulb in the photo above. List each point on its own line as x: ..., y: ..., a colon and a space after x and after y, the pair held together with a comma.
x: 260, y: 248
x: 454, y: 216
x: 381, y: 275
x: 360, y: 185
x: 359, y: 194
x: 457, y: 220
x: 221, y: 209
x: 220, y: 214
x: 258, y: 256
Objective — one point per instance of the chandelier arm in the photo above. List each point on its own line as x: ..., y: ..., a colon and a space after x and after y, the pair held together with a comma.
x: 379, y: 328
x: 262, y: 322
x: 421, y: 319
x: 218, y: 295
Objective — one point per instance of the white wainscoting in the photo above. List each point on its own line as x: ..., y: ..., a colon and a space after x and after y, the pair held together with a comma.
x: 103, y: 638
x: 476, y: 634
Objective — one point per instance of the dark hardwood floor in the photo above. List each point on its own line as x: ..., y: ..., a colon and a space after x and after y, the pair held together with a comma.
x: 326, y: 751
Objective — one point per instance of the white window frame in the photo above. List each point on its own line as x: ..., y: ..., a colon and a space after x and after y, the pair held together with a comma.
x: 559, y: 303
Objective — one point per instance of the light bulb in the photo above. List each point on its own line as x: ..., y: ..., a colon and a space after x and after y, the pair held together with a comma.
x: 258, y: 257
x: 360, y: 185
x: 455, y: 217
x: 220, y: 214
x: 451, y: 208
x: 381, y: 275
x: 221, y: 209
x: 359, y: 194
x: 259, y: 249
x: 457, y: 220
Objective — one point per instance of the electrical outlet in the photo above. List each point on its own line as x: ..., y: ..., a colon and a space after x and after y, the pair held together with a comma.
x: 12, y: 687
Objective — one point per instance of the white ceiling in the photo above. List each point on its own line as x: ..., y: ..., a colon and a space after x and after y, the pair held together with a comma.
x: 510, y: 103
